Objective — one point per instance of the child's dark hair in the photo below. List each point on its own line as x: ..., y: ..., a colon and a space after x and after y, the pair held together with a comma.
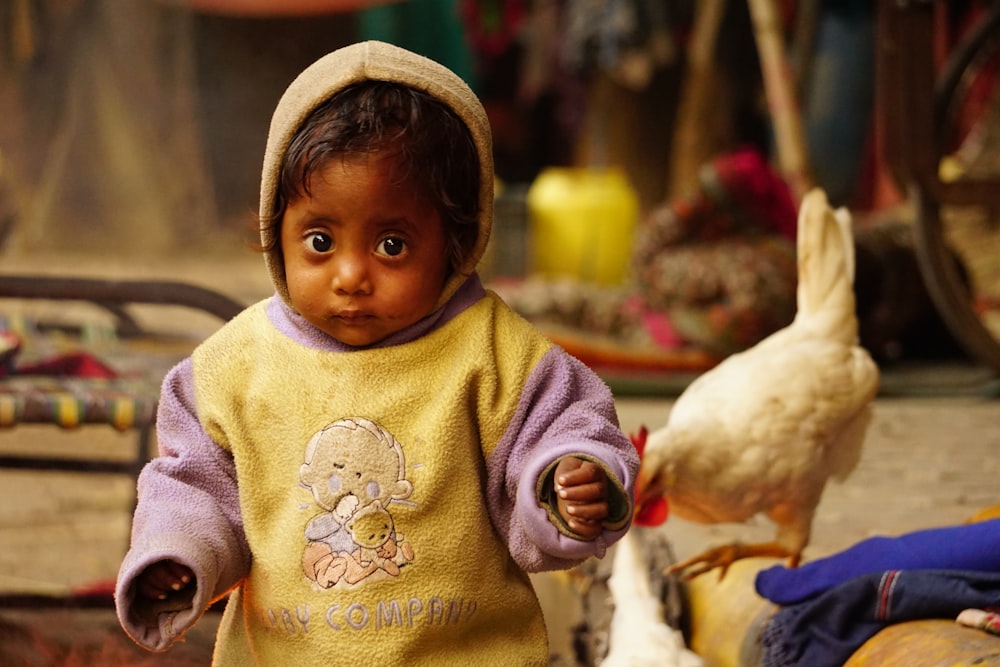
x: 434, y: 149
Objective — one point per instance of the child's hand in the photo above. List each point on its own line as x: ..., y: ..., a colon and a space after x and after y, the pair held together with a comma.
x: 162, y: 581
x: 581, y: 495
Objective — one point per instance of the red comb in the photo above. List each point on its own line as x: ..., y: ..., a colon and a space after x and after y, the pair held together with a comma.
x: 639, y: 440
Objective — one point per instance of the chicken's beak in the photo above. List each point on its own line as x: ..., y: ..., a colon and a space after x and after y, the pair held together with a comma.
x: 644, y: 493
x: 651, y: 507
x: 650, y: 487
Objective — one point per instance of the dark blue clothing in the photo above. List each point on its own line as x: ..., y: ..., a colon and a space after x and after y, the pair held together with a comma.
x: 825, y: 630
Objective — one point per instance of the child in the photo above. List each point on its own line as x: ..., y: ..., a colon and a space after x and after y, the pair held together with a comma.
x: 370, y: 461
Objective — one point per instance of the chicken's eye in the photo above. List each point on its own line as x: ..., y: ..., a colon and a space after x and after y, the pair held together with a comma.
x: 320, y: 242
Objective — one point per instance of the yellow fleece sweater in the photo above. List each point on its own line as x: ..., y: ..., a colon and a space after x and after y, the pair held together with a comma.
x: 362, y: 491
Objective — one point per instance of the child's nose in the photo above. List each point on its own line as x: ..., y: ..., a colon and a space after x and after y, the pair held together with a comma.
x: 350, y: 274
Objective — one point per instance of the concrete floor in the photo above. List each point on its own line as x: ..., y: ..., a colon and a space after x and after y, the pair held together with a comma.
x: 931, y: 459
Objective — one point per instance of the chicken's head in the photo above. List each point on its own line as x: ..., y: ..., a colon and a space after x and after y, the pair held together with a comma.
x: 651, y: 509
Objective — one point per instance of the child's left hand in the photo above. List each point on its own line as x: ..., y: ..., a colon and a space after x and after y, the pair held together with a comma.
x: 581, y: 495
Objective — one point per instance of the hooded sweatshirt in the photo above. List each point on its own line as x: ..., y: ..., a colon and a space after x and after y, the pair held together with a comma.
x: 376, y: 505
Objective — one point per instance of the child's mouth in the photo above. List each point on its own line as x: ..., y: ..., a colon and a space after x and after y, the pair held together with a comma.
x: 353, y: 317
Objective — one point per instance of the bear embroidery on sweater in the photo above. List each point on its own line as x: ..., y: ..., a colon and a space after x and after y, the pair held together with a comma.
x: 354, y: 468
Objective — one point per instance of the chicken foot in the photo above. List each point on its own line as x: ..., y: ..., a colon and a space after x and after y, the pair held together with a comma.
x: 724, y: 556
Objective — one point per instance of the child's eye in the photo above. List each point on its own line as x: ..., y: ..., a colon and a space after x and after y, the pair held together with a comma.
x: 320, y: 242
x: 391, y: 247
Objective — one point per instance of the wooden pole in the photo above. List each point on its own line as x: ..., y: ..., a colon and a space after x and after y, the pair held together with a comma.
x: 793, y: 159
x: 692, y: 144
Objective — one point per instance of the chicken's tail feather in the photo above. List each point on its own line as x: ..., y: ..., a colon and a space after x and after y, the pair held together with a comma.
x: 826, y: 269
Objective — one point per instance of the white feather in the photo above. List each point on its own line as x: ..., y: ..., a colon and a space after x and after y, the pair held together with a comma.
x: 638, y: 636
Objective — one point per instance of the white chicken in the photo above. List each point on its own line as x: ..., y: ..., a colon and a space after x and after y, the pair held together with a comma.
x: 764, y: 430
x: 638, y: 635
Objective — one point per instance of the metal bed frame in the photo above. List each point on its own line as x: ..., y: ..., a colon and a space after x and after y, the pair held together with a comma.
x: 125, y: 406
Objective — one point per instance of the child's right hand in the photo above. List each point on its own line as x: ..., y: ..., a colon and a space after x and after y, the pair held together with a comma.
x: 164, y: 580
x: 582, y: 495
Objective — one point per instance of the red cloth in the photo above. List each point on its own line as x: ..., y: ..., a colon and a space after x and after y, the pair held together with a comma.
x: 74, y: 364
x: 756, y: 189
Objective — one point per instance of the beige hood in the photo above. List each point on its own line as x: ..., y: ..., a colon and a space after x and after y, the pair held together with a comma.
x: 382, y: 62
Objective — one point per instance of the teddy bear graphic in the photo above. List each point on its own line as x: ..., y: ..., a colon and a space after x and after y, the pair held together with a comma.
x: 378, y: 544
x: 354, y: 468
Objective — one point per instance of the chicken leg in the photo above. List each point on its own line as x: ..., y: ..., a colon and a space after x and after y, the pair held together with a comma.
x: 794, y: 526
x: 724, y: 556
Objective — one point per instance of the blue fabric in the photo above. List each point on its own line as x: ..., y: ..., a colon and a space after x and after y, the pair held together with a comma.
x: 826, y: 630
x: 970, y: 547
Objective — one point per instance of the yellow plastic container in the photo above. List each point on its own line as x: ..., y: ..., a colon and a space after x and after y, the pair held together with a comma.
x: 582, y: 223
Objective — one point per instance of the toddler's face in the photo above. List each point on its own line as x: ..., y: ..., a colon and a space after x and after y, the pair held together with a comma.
x: 365, y: 253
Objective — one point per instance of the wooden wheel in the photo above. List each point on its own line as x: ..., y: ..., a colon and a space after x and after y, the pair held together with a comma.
x: 959, y: 211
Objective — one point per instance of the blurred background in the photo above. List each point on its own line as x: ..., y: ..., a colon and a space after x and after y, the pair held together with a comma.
x: 649, y: 155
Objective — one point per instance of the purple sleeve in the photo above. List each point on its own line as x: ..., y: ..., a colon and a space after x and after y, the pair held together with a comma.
x: 188, y: 511
x: 565, y: 409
